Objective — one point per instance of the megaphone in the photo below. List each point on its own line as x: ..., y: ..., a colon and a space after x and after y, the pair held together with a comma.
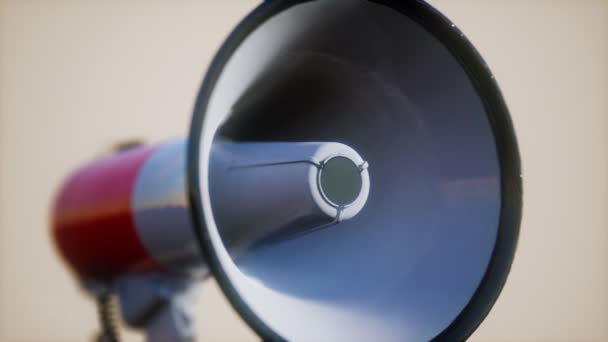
x: 351, y: 174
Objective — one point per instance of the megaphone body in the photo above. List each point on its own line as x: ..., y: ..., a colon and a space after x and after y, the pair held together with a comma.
x: 129, y: 212
x: 96, y: 215
x: 351, y: 173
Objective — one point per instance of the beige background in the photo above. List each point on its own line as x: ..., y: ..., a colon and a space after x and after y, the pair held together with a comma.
x: 76, y: 76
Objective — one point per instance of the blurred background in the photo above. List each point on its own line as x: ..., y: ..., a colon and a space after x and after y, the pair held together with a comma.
x: 78, y: 76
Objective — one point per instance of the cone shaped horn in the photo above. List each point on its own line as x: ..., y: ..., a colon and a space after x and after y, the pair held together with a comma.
x: 429, y: 180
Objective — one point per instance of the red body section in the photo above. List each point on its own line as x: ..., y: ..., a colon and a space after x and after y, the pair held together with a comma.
x: 92, y: 222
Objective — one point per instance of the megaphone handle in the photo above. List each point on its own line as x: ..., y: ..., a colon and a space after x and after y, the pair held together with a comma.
x: 160, y: 304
